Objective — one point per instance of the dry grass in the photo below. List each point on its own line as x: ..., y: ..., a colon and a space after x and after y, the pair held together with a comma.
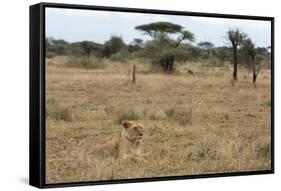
x: 56, y: 111
x: 85, y: 62
x: 194, y: 124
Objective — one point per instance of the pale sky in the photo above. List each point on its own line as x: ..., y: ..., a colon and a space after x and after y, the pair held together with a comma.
x: 77, y: 25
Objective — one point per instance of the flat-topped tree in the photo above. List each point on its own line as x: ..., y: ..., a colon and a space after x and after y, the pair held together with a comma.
x: 159, y: 28
x: 207, y: 46
x: 138, y: 42
x: 164, y: 46
x: 236, y: 38
x: 88, y: 47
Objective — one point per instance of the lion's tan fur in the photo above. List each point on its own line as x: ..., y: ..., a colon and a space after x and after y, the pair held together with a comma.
x: 127, y: 146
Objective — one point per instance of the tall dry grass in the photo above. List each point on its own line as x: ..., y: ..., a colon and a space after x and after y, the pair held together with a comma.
x: 194, y: 124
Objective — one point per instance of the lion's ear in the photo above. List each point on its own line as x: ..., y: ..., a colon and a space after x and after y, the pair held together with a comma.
x: 126, y: 123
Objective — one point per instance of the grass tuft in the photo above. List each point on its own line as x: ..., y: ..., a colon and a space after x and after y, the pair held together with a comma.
x: 129, y: 114
x: 157, y: 130
x: 157, y: 115
x: 183, y: 116
x: 263, y: 149
x: 56, y: 111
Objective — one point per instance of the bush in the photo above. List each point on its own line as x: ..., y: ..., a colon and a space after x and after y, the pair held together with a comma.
x: 118, y: 58
x: 50, y: 54
x: 56, y: 111
x: 157, y: 130
x: 213, y: 62
x: 170, y: 111
x: 121, y: 56
x: 157, y: 115
x: 86, y: 62
x: 263, y: 149
x: 266, y: 63
x: 114, y: 45
x: 129, y: 114
x: 181, y: 115
x: 207, y: 150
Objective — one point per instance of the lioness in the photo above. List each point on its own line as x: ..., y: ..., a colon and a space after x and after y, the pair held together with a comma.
x: 128, y: 146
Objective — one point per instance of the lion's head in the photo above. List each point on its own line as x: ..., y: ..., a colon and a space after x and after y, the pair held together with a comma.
x: 132, y: 130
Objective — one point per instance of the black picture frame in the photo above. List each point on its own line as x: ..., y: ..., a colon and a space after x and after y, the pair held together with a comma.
x: 37, y: 94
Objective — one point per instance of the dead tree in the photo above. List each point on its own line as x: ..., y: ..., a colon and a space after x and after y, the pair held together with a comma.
x: 236, y: 39
x: 255, y: 72
x: 134, y: 74
x: 249, y: 46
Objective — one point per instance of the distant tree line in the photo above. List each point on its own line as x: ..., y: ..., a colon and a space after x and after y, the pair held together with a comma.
x: 170, y: 43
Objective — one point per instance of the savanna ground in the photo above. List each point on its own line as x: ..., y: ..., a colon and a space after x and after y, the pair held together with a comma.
x: 194, y: 123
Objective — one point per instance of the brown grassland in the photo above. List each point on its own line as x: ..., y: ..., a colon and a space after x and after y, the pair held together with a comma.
x: 194, y: 123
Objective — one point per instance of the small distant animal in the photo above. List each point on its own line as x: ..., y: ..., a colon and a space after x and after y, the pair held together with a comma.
x: 192, y: 72
x: 129, y: 144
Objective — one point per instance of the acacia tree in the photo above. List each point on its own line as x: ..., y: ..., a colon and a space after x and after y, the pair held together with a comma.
x: 113, y: 46
x: 250, y: 49
x: 162, y: 45
x: 236, y: 38
x: 135, y: 45
x: 207, y: 46
x: 88, y: 47
x: 138, y: 42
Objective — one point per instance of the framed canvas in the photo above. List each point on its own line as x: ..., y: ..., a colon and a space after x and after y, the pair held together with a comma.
x: 122, y: 95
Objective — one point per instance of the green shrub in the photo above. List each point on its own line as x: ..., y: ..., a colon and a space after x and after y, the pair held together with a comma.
x: 86, y: 62
x: 213, y: 62
x: 118, y: 58
x: 121, y: 56
x: 50, y: 54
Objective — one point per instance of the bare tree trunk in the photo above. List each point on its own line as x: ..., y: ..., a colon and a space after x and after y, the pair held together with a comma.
x: 170, y: 63
x: 166, y: 65
x: 172, y: 60
x: 134, y: 73
x: 254, y: 79
x: 235, y: 63
x: 254, y: 72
